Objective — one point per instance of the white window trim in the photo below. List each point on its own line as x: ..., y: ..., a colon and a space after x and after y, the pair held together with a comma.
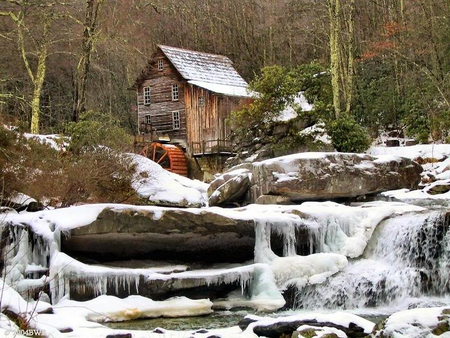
x: 147, y: 96
x: 175, y: 92
x: 160, y: 64
x: 176, y: 120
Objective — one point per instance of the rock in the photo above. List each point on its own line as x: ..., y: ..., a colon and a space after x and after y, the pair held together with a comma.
x: 281, y: 129
x: 409, y: 143
x: 324, y: 176
x: 20, y: 202
x: 271, y: 199
x: 315, y: 332
x: 162, y: 234
x: 204, y: 286
x: 278, y: 327
x: 231, y: 191
x: 420, y: 322
x: 393, y: 142
x: 440, y: 188
x: 157, y: 186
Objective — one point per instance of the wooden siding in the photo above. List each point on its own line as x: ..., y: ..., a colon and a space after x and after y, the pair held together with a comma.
x: 208, y: 131
x: 161, y: 104
x: 203, y: 127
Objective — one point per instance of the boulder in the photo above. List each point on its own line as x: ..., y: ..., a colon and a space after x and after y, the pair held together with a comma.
x: 439, y: 188
x: 321, y: 176
x: 420, y: 322
x: 162, y: 234
x: 19, y: 202
x: 353, y: 326
x: 230, y: 188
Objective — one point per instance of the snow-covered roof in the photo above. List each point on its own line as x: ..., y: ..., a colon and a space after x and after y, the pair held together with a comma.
x: 210, y: 71
x: 223, y: 89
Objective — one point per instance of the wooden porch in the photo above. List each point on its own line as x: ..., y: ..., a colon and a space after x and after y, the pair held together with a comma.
x: 212, y: 147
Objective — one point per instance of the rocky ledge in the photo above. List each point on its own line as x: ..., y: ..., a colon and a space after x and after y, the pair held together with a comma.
x: 313, y: 176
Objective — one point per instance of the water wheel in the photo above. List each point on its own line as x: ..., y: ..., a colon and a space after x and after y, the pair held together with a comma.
x: 168, y: 156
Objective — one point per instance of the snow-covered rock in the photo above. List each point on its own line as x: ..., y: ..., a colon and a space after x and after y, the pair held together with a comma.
x: 319, y: 176
x: 344, y: 324
x: 161, y: 187
x: 431, y: 322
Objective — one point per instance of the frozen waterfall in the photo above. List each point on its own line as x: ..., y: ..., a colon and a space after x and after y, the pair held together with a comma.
x: 406, y: 260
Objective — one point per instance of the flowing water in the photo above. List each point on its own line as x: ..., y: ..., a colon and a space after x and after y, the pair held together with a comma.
x: 405, y: 264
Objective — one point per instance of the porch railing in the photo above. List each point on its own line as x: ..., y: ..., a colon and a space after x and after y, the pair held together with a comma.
x: 211, y: 147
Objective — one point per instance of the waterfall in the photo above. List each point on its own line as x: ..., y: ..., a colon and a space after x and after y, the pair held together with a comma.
x: 25, y: 260
x: 407, y: 258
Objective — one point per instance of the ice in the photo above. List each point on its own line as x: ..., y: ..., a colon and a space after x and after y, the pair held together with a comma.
x: 66, y: 272
x: 407, y: 257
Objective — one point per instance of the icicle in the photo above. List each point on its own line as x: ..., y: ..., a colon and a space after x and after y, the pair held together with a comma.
x: 287, y: 229
x: 263, y: 251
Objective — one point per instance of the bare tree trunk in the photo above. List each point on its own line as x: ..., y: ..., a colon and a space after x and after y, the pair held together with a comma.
x: 89, y: 38
x: 38, y: 83
x: 37, y: 78
x: 351, y: 58
x: 335, y: 56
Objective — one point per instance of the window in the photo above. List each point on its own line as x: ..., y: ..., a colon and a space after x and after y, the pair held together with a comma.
x: 175, y: 92
x: 160, y: 64
x: 176, y: 119
x: 145, y: 127
x: 146, y: 95
x: 201, y: 101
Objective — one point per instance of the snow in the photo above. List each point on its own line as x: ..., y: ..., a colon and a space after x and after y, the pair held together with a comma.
x: 340, y: 230
x: 438, y: 151
x: 203, y: 67
x: 342, y: 233
x: 223, y: 88
x: 21, y: 199
x: 437, y: 168
x: 157, y: 185
x: 57, y: 142
x: 134, y: 307
x: 323, y: 331
x: 312, y: 269
x: 414, y: 323
x: 290, y: 112
x: 339, y: 318
x: 318, y: 132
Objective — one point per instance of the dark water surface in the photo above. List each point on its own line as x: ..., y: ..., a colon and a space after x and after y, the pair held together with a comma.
x: 216, y: 320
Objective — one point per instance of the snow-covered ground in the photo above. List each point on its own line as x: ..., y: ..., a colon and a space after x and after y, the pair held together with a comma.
x: 436, y: 170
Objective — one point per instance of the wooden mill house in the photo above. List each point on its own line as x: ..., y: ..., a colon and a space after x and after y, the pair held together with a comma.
x: 184, y: 98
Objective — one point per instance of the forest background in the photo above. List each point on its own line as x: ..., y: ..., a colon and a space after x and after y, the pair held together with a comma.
x: 387, y: 60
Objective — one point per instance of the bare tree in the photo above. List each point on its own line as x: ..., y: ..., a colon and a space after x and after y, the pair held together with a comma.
x: 90, y: 30
x: 33, y: 42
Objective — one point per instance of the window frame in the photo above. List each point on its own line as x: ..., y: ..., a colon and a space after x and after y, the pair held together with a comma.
x: 176, y: 120
x: 175, y: 92
x: 148, y: 119
x: 160, y: 65
x: 147, y: 95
